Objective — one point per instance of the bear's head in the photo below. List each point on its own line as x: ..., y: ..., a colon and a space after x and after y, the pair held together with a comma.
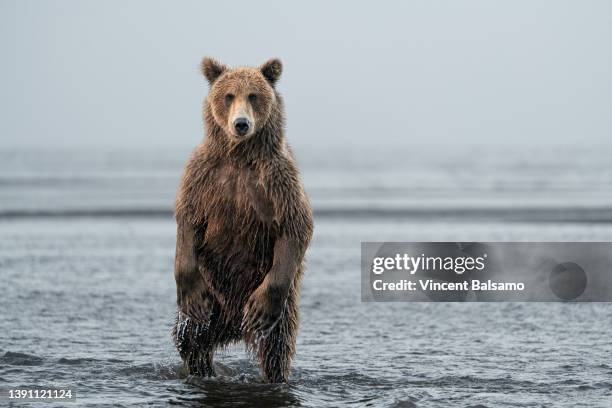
x: 241, y: 99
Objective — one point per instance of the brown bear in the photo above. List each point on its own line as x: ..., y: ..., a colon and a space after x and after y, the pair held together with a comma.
x: 243, y: 225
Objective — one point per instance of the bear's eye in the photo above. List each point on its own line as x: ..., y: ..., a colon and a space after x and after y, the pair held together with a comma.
x: 252, y: 98
x: 229, y: 98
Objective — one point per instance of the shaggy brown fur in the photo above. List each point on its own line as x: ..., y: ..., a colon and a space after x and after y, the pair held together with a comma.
x: 244, y: 223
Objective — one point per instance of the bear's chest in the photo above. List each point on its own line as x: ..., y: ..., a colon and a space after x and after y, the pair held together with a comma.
x: 241, y: 194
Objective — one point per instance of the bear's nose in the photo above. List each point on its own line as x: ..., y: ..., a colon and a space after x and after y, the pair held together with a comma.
x: 242, y: 126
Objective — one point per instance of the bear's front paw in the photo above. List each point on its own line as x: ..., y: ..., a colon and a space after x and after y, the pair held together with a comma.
x: 263, y: 309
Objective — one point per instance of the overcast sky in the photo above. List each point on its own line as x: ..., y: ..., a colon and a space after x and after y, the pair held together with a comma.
x: 85, y: 73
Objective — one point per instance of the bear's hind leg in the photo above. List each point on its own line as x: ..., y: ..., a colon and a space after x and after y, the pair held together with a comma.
x: 276, y: 349
x: 200, y: 363
x: 194, y: 341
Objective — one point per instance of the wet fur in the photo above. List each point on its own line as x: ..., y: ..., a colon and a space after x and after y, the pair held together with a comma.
x: 239, y: 202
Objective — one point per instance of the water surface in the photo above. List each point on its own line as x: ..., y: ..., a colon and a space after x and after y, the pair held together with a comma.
x: 88, y: 297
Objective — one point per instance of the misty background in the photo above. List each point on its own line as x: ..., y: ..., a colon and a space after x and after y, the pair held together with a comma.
x: 126, y: 73
x: 474, y: 108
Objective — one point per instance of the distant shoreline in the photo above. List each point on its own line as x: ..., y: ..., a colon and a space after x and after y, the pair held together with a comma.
x: 540, y: 214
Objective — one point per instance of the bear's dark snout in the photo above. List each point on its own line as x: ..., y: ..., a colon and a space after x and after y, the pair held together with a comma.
x: 242, y: 126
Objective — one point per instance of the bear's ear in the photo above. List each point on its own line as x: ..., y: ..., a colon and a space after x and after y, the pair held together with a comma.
x: 272, y: 70
x: 212, y: 69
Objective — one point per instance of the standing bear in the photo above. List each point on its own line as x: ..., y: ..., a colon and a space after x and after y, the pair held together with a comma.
x: 243, y: 225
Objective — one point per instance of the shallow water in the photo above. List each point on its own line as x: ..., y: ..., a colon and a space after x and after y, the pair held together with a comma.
x: 90, y: 305
x: 88, y: 302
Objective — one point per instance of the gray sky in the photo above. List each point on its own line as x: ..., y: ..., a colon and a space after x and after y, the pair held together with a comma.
x: 115, y: 73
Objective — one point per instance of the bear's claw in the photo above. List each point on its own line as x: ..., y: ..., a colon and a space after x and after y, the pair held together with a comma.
x: 260, y: 314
